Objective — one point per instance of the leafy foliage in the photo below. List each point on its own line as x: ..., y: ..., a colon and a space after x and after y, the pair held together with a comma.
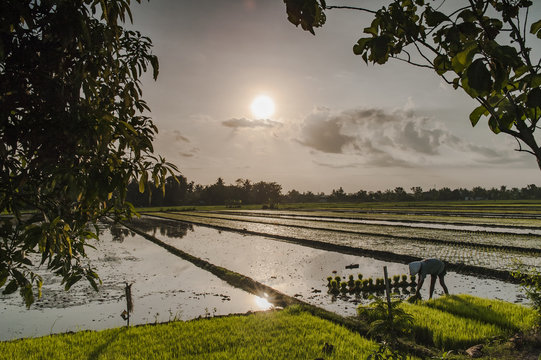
x: 72, y: 132
x: 386, y: 324
x: 479, y: 46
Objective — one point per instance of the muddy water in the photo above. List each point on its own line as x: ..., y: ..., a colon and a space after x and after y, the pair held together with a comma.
x: 301, y: 271
x: 164, y: 287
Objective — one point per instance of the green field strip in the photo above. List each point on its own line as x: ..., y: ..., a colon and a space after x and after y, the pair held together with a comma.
x: 508, y: 223
x: 460, y: 321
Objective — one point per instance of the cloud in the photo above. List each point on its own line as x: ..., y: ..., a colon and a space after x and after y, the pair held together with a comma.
x: 246, y: 123
x: 389, y: 138
x: 325, y: 134
x: 188, y: 155
x: 179, y: 137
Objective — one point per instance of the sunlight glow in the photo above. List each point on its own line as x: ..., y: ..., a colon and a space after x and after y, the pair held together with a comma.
x: 263, y: 303
x: 262, y: 107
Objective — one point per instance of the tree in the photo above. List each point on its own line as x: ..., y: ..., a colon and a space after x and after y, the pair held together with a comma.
x: 479, y: 46
x: 72, y: 133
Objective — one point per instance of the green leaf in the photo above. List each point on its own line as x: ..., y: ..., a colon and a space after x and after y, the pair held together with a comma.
x: 507, y: 55
x: 373, y: 29
x: 535, y: 81
x: 28, y: 295
x: 479, y: 77
x: 493, y: 125
x: 476, y: 114
x: 534, y: 98
x: 142, y: 182
x: 380, y: 49
x: 11, y: 287
x: 467, y: 15
x: 442, y: 64
x: 361, y: 46
x: 434, y: 18
x: 72, y: 280
x: 3, y: 277
x: 535, y: 27
x: 465, y: 56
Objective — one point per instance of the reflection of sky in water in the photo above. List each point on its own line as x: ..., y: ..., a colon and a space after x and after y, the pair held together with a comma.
x: 301, y: 271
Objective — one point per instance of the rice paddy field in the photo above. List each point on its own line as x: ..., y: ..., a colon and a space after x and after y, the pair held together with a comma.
x: 184, y: 273
x: 481, y: 245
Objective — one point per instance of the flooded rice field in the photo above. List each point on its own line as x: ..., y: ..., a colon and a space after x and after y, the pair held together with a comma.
x: 471, y: 254
x: 166, y: 287
x: 492, y: 228
x: 301, y: 271
x: 530, y: 219
x: 520, y: 238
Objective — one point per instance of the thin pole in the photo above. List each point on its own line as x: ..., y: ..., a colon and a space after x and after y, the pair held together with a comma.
x: 387, y: 291
x: 129, y: 301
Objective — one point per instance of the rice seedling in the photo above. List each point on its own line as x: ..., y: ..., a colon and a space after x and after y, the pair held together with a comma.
x: 344, y: 287
x: 459, y: 321
x: 358, y: 286
x: 351, y: 281
x: 370, y: 284
x: 404, y: 280
x: 507, y: 316
x: 366, y: 285
x: 334, y: 288
x: 447, y: 331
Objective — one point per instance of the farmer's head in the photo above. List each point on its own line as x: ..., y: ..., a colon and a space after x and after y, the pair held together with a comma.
x: 414, y: 267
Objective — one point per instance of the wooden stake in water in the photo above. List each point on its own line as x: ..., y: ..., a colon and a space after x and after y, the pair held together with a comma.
x: 129, y: 302
x: 387, y: 291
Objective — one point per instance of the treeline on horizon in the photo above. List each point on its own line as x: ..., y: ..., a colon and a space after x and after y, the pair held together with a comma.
x: 246, y: 192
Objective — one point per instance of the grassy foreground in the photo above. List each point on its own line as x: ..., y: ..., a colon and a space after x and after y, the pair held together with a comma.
x: 287, y: 334
x: 460, y: 321
x: 452, y: 322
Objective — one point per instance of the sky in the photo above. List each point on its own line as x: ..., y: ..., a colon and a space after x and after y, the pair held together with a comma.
x: 337, y: 122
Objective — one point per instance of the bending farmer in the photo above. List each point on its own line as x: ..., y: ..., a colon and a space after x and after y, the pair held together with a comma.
x: 434, y: 268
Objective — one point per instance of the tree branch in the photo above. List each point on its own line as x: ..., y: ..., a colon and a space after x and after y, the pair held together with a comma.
x: 520, y: 149
x: 351, y: 8
x: 413, y: 63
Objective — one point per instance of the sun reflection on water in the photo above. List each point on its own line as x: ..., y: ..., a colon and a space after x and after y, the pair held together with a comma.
x: 263, y: 303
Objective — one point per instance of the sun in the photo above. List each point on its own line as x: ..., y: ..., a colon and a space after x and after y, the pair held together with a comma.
x: 262, y: 107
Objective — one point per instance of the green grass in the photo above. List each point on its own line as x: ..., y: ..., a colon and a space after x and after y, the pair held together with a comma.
x: 287, y: 334
x: 459, y: 321
x: 453, y: 322
x: 506, y: 315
